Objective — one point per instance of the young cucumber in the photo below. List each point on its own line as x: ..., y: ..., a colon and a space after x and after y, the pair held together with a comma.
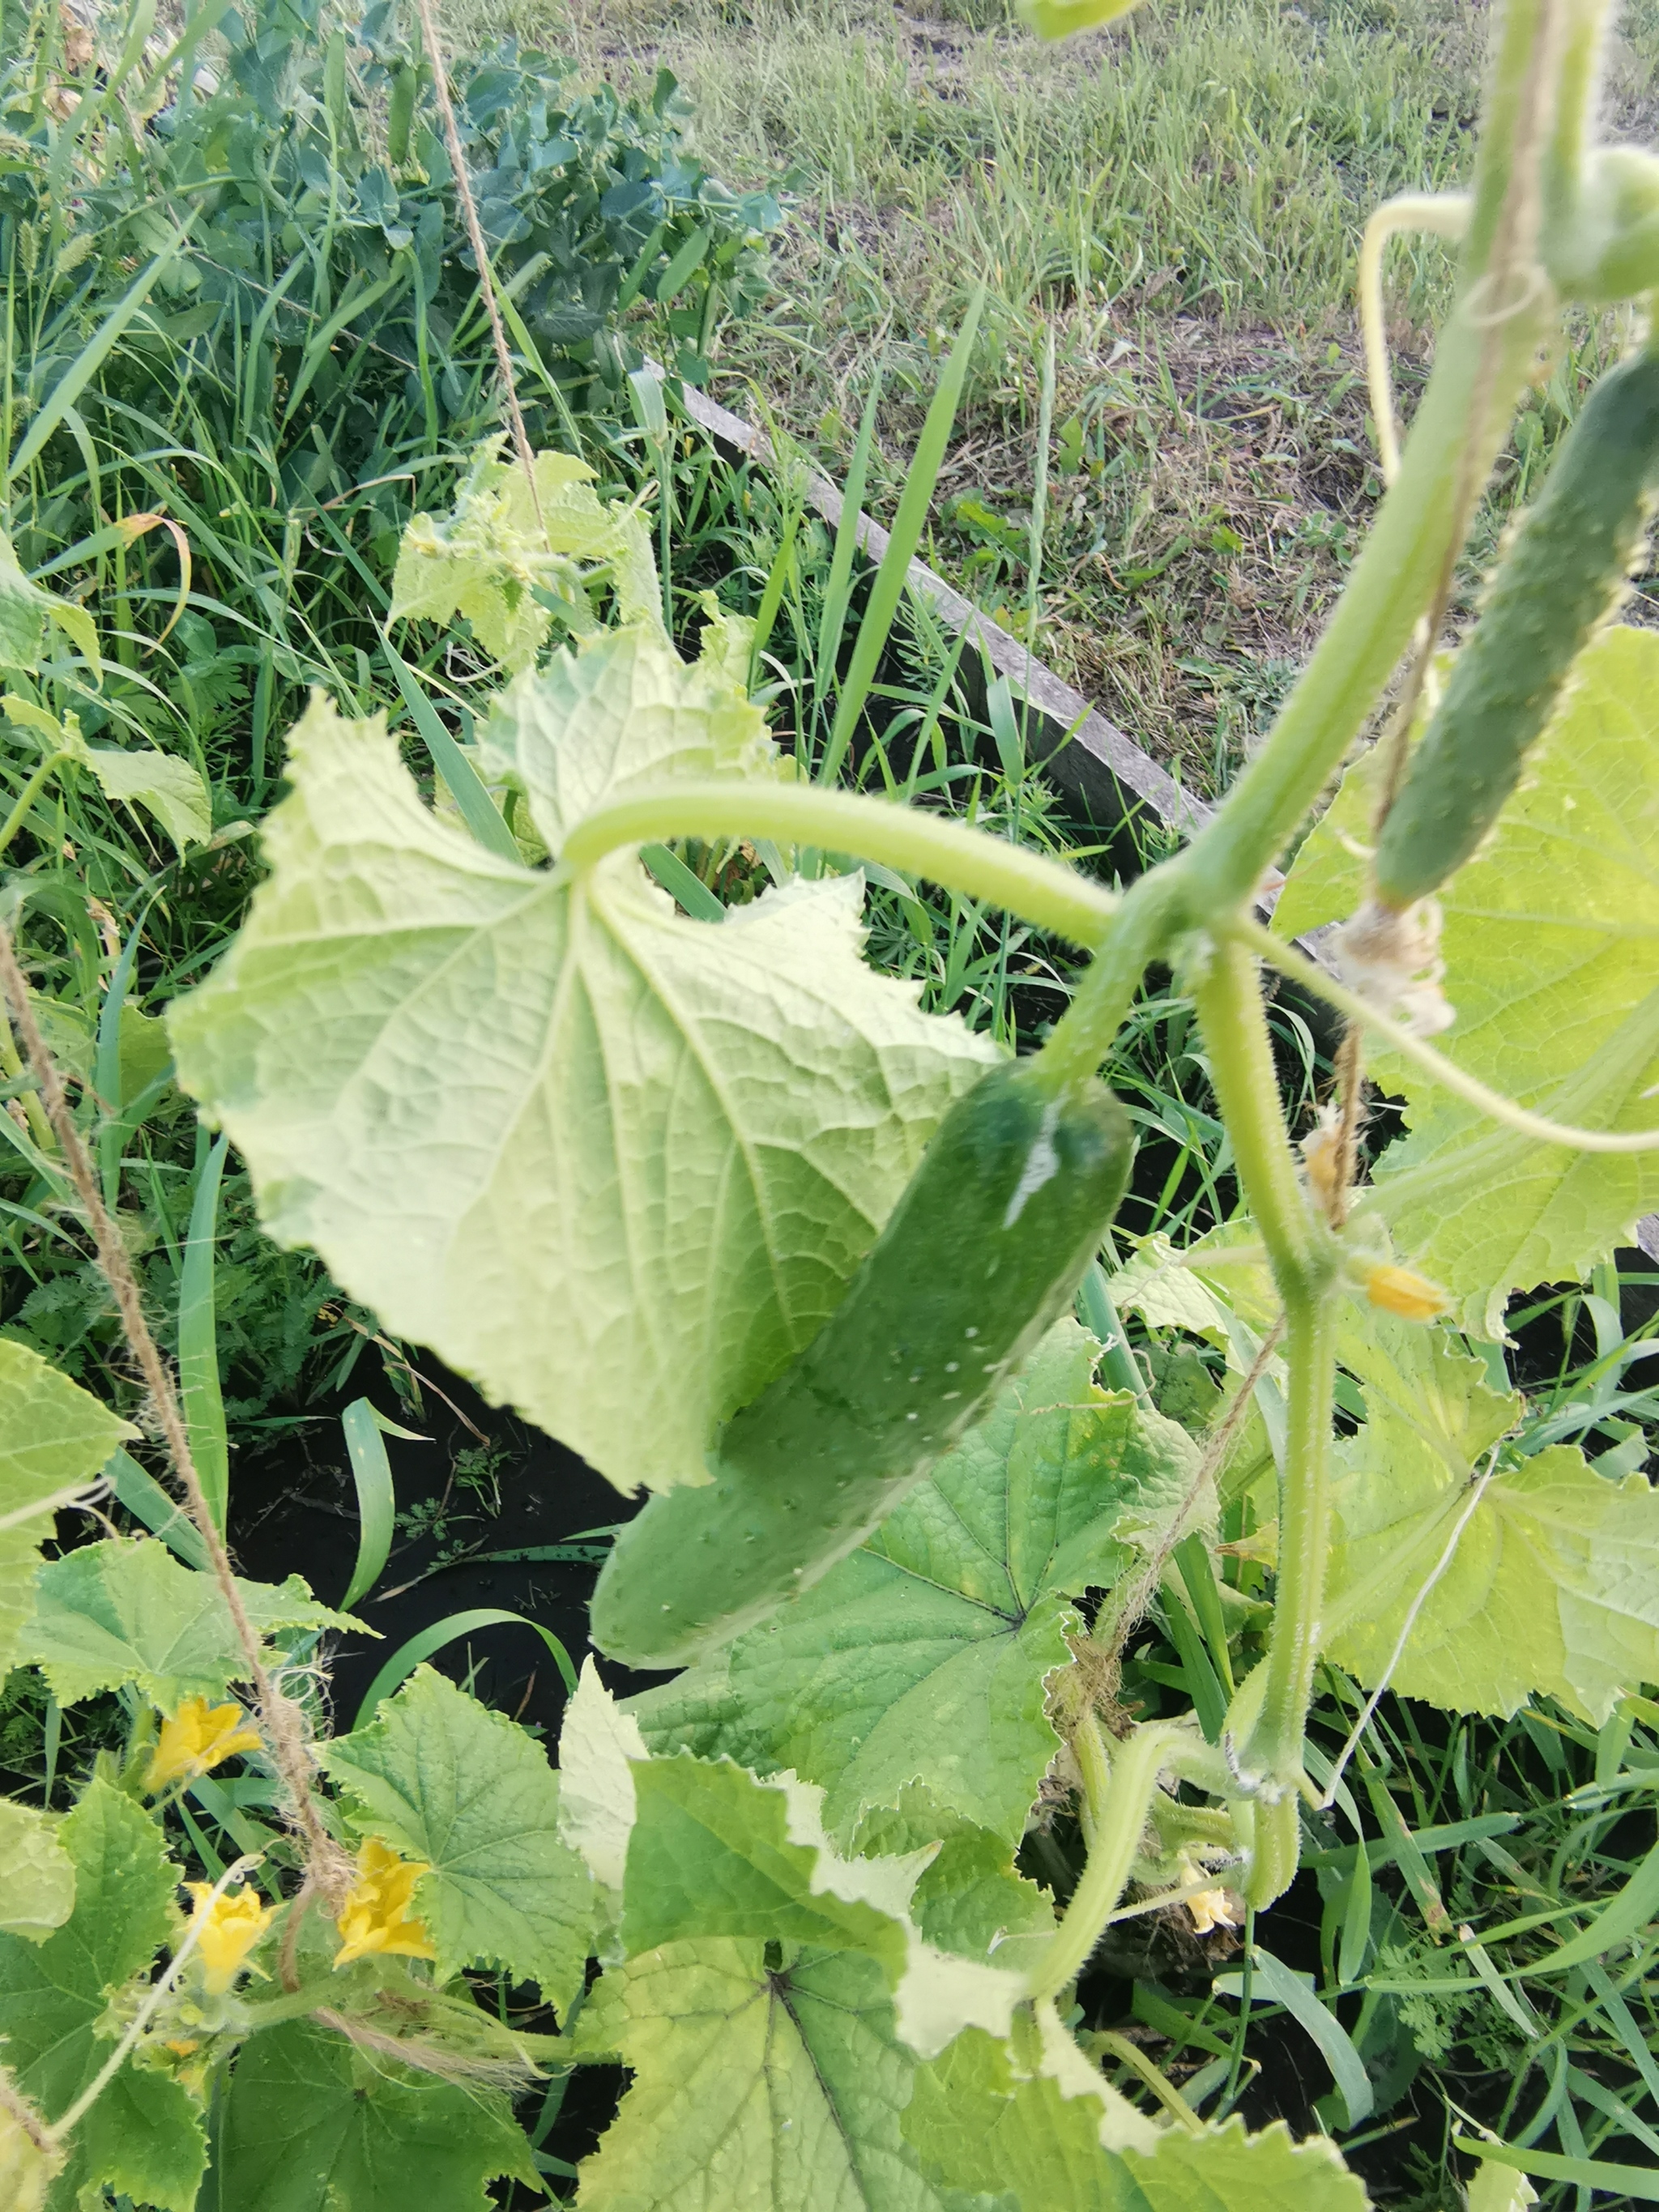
x: 983, y: 1252
x: 1561, y: 577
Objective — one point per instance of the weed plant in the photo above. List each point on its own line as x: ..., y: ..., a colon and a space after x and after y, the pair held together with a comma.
x: 1177, y: 201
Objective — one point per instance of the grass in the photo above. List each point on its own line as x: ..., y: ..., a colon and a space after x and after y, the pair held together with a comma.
x: 1176, y: 201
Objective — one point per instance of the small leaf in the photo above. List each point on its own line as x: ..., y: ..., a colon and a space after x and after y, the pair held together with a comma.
x: 443, y: 1780
x: 37, y: 1875
x: 143, y: 2135
x: 128, y: 1611
x: 168, y: 789
x: 25, y: 610
x: 923, y: 1658
x: 314, y: 2124
x: 673, y: 1143
x: 53, y: 1435
x: 491, y: 555
x: 596, y: 1782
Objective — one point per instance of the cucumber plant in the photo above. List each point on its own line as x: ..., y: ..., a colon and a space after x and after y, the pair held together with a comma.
x: 722, y: 1208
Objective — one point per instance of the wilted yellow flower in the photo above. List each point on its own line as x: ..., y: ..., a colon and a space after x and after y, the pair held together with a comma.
x: 196, y: 1739
x: 375, y: 1916
x: 1211, y: 1908
x: 1397, y: 1290
x: 227, y: 1928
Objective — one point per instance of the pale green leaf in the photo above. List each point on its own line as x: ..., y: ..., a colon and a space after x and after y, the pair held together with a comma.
x: 757, y: 2011
x: 612, y: 717
x: 143, y: 2136
x: 715, y: 1851
x: 969, y: 1899
x: 1553, y: 1587
x: 614, y: 1165
x: 128, y: 1611
x: 29, y: 2162
x: 597, y: 1742
x: 756, y: 2086
x: 444, y: 1780
x: 1225, y: 2170
x: 25, y: 610
x: 1154, y: 1284
x: 37, y: 1875
x: 491, y: 555
x: 314, y: 2124
x: 1023, y: 2120
x: 53, y: 1435
x: 1548, y: 946
x: 1494, y: 2188
x: 923, y: 1657
x: 170, y: 789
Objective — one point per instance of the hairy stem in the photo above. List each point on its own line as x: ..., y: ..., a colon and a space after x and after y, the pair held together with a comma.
x: 280, y: 1719
x: 1115, y: 1797
x: 1039, y: 890
x: 1270, y: 1758
x: 1234, y: 1023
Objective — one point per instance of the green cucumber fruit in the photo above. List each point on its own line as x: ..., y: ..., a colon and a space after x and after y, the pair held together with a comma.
x: 1561, y: 577
x: 982, y: 1254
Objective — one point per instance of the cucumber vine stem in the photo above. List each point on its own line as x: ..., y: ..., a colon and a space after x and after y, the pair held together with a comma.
x: 1116, y: 1793
x: 1446, y: 1073
x: 1268, y: 1759
x: 1038, y: 890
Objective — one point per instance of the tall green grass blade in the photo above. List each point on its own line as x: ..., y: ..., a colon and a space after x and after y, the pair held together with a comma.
x: 907, y: 524
x: 408, y: 1657
x: 677, y: 880
x: 1356, y: 1918
x: 1276, y: 1982
x: 198, y: 1344
x: 146, y: 1500
x: 1622, y: 1917
x: 377, y: 1501
x: 1639, y: 2184
x: 478, y: 810
x: 839, y: 589
x: 90, y: 359
x: 317, y: 348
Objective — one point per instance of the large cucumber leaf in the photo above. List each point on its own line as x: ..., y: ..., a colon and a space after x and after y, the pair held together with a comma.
x: 128, y: 1611
x: 53, y: 1437
x: 923, y: 1658
x: 443, y: 1780
x: 143, y: 2136
x: 770, y: 2008
x: 314, y: 2124
x: 1553, y: 1587
x: 764, y: 2075
x: 1548, y: 942
x: 614, y: 1165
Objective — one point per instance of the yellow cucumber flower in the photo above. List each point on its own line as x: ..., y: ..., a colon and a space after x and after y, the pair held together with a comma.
x: 1398, y: 1290
x: 196, y: 1739
x: 375, y: 1916
x: 227, y: 1928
